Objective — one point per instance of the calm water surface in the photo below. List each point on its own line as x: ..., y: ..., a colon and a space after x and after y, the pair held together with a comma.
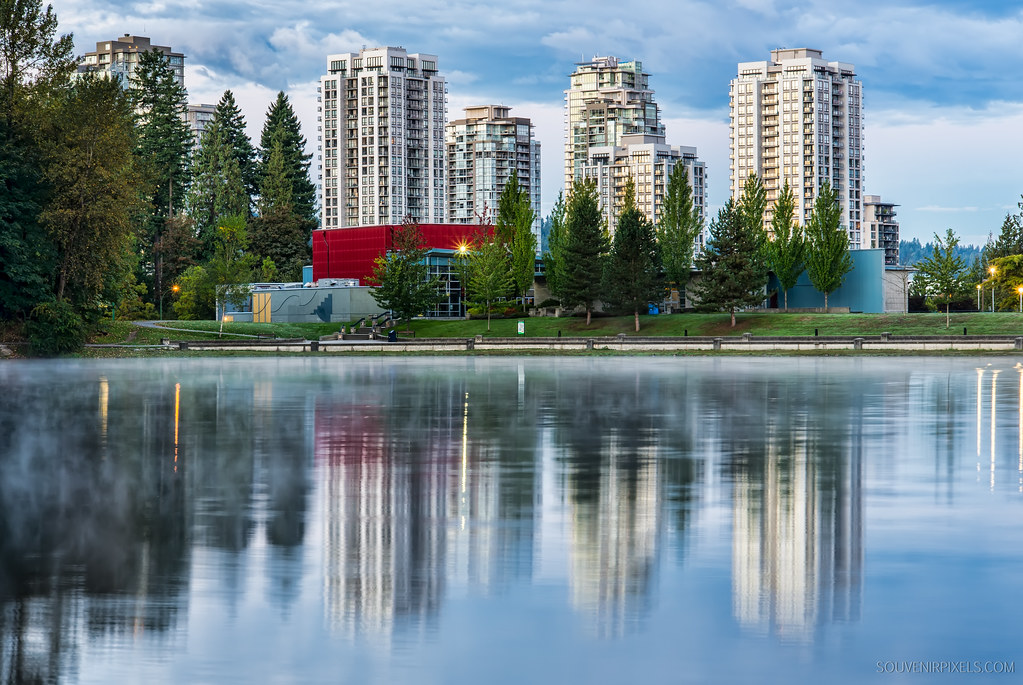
x: 503, y: 520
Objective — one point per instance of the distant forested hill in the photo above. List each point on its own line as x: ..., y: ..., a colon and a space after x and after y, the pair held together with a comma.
x: 911, y: 251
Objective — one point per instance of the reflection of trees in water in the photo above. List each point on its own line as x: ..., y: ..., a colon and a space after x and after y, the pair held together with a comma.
x: 797, y: 548
x: 92, y: 519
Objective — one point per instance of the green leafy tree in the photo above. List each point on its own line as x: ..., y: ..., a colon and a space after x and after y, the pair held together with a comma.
x: 217, y: 188
x: 282, y: 122
x: 827, y: 253
x: 732, y: 275
x: 196, y: 295
x: 404, y: 285
x: 179, y: 249
x: 787, y: 247
x: 231, y: 269
x: 1004, y: 278
x: 586, y: 247
x: 90, y: 165
x: 229, y: 118
x: 633, y: 276
x: 680, y: 226
x: 489, y: 278
x: 554, y: 257
x: 33, y: 59
x: 943, y: 275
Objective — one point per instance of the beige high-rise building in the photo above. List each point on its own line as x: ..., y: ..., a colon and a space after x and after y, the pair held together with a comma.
x: 120, y: 57
x: 881, y: 228
x: 798, y: 118
x: 483, y: 149
x: 648, y: 161
x: 381, y: 120
x: 608, y: 99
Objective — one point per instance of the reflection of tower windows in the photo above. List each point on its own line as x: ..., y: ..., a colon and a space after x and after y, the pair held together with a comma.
x: 615, y: 541
x: 797, y: 546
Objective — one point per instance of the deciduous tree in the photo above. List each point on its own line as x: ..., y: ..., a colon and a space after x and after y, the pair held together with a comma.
x: 489, y: 278
x: 404, y: 285
x: 680, y: 226
x: 943, y: 274
x: 827, y: 253
x: 787, y: 247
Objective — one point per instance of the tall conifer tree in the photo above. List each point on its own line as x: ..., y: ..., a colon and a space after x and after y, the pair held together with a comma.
x: 732, y: 274
x: 633, y: 277
x: 282, y: 121
x: 232, y: 123
x: 680, y: 225
x: 586, y: 248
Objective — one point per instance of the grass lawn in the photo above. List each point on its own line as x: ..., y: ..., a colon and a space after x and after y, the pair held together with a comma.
x: 758, y: 323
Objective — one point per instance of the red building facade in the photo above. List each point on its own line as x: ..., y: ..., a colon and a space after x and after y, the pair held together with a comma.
x: 351, y: 252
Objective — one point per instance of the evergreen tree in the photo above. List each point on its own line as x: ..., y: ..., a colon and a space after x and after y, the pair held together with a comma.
x: 217, y: 188
x: 634, y: 266
x: 232, y: 123
x: 554, y: 257
x: 943, y: 274
x: 404, y: 285
x: 679, y: 228
x: 33, y: 59
x: 751, y: 206
x: 278, y: 233
x: 489, y: 279
x: 164, y: 146
x: 89, y: 161
x: 282, y: 121
x: 586, y: 248
x: 786, y: 250
x: 514, y: 227
x: 732, y: 274
x: 827, y: 252
x: 1010, y: 239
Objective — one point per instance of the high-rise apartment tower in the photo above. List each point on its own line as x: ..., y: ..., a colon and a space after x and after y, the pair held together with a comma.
x: 607, y: 100
x: 382, y: 114
x: 798, y: 118
x: 120, y: 57
x: 483, y: 149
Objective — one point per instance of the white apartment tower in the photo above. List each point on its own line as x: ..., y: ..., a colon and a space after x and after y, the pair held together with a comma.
x: 648, y: 161
x: 120, y: 57
x: 483, y: 149
x: 607, y: 100
x: 798, y: 118
x: 381, y: 117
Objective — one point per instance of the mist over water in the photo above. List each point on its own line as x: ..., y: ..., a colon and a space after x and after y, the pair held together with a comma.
x: 502, y: 520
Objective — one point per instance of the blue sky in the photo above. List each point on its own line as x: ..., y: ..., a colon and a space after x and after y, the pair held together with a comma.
x: 943, y: 92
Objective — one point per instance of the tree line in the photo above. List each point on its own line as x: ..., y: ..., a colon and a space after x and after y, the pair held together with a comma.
x: 106, y: 201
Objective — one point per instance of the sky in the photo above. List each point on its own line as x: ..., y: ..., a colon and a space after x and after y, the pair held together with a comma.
x: 943, y: 93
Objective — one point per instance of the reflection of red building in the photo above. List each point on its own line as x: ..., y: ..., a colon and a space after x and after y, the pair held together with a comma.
x: 350, y: 252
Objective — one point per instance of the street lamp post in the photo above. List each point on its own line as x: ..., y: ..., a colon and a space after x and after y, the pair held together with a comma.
x: 979, y: 288
x: 992, y: 271
x: 1020, y: 291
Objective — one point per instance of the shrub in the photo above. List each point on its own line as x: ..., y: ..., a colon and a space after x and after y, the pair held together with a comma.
x: 550, y: 302
x: 55, y: 328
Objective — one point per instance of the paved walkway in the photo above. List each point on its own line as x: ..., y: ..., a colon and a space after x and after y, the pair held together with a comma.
x: 157, y: 326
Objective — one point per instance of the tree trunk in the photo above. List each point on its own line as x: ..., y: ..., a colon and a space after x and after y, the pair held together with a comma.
x: 636, y: 314
x: 786, y: 300
x: 946, y: 314
x: 488, y: 316
x: 825, y: 303
x: 733, y: 317
x: 587, y: 316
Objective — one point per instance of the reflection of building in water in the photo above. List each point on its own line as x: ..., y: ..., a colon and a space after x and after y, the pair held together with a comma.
x: 383, y: 523
x: 797, y: 545
x: 615, y: 514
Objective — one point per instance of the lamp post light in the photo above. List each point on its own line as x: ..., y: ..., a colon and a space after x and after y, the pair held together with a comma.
x: 992, y: 271
x: 1020, y: 291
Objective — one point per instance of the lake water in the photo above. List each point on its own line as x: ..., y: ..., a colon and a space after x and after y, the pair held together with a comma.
x: 502, y: 520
